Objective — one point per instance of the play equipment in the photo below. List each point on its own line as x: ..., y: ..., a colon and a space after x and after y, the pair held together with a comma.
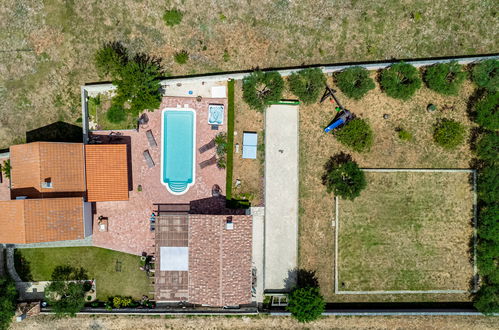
x: 342, y: 117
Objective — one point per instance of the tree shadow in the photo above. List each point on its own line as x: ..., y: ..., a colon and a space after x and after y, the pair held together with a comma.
x: 333, y: 162
x: 56, y: 132
x: 300, y: 278
x: 22, y: 267
x: 69, y: 273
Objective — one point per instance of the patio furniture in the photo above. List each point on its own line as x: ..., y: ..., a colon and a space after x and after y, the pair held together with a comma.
x: 250, y: 142
x: 215, y: 114
x: 151, y: 139
x: 215, y: 190
x: 208, y: 162
x: 103, y: 224
x: 207, y: 146
x: 149, y: 161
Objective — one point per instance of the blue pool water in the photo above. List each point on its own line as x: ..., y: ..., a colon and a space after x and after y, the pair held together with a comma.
x: 178, y: 150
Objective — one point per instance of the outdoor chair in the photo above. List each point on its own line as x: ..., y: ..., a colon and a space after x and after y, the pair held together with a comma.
x: 149, y: 161
x: 207, y: 146
x: 151, y: 139
x: 208, y: 162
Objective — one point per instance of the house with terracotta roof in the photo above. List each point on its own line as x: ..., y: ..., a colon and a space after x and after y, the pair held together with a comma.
x: 52, y: 186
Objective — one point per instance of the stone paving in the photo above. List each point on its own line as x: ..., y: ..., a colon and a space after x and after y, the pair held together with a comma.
x: 128, y: 221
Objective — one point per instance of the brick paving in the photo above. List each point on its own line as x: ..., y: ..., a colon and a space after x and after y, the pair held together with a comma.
x: 128, y: 224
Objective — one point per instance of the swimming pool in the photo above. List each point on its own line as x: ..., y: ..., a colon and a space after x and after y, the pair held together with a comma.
x: 178, y: 149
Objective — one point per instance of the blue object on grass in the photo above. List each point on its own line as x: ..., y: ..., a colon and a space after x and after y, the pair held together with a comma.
x: 333, y: 125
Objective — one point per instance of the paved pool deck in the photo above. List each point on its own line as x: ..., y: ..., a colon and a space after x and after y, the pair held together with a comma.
x: 281, y: 195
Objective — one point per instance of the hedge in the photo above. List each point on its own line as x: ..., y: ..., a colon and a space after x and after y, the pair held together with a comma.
x: 230, y: 140
x: 400, y: 80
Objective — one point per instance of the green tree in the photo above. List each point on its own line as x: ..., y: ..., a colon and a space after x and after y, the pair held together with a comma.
x: 486, y: 109
x: 486, y: 74
x: 173, y: 17
x: 444, y: 78
x: 449, y: 134
x: 488, y: 147
x: 306, y: 304
x: 343, y: 177
x: 487, y: 299
x: 356, y: 134
x: 354, y: 82
x: 65, y: 293
x: 261, y: 88
x: 307, y: 84
x: 110, y: 59
x: 8, y: 297
x: 116, y: 113
x: 488, y: 184
x: 400, y: 81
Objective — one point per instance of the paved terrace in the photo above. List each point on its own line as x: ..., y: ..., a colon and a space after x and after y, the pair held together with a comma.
x: 128, y: 224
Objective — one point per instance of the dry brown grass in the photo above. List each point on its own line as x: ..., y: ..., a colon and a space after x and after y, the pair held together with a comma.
x: 407, y: 231
x: 47, y: 46
x: 249, y: 171
x: 317, y: 206
x: 43, y: 322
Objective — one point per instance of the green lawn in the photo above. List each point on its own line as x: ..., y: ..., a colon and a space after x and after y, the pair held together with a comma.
x: 407, y: 231
x: 100, y: 264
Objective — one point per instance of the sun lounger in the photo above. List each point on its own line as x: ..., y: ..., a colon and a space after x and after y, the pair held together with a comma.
x: 148, y: 158
x: 151, y: 139
x: 250, y: 142
x: 207, y: 146
x: 208, y: 162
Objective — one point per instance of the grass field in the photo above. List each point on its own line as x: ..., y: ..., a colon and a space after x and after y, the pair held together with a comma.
x: 100, y: 264
x: 407, y: 231
x: 48, y: 46
x: 316, y: 240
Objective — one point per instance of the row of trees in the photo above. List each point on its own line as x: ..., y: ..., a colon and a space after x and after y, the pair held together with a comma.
x: 8, y: 298
x: 400, y: 81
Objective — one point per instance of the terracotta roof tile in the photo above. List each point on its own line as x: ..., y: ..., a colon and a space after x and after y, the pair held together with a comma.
x: 12, y: 222
x: 106, y: 172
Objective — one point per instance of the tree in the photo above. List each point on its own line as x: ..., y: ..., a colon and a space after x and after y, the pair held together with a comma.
x: 8, y: 297
x: 487, y: 299
x: 444, y: 78
x: 307, y: 84
x: 306, y: 304
x: 356, y: 134
x: 261, y: 88
x: 486, y: 110
x: 343, y: 177
x: 66, y: 291
x: 488, y: 147
x: 449, y: 134
x: 400, y: 81
x: 110, y: 59
x: 116, y: 114
x: 486, y: 74
x: 354, y: 82
x: 488, y: 184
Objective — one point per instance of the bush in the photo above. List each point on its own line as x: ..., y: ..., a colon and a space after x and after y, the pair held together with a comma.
x: 354, y: 82
x: 261, y: 88
x: 181, y: 57
x: 221, y: 143
x: 486, y: 74
x: 449, y: 134
x: 65, y: 298
x: 444, y: 78
x: 487, y: 115
x: 488, y: 184
x: 356, y: 134
x: 487, y: 299
x: 119, y: 302
x: 6, y: 168
x: 307, y: 84
x: 8, y: 301
x: 400, y: 81
x: 110, y: 59
x: 343, y: 177
x: 488, y: 147
x: 306, y: 304
x: 488, y: 226
x: 173, y: 17
x: 404, y: 135
x: 116, y: 114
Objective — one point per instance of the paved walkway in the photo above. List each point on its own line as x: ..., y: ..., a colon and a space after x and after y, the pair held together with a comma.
x: 281, y: 195
x: 10, y: 265
x: 258, y: 214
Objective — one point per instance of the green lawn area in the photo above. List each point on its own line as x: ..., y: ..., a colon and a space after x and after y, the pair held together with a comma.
x: 100, y: 264
x: 407, y: 231
x: 97, y: 111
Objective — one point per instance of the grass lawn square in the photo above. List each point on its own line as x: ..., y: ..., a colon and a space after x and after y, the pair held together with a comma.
x: 407, y: 231
x: 116, y: 273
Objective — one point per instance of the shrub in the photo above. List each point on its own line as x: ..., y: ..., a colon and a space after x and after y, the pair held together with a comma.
x: 357, y: 134
x: 487, y: 115
x: 6, y: 168
x: 488, y: 147
x: 116, y: 114
x: 87, y: 286
x: 181, y: 57
x: 307, y: 84
x: 173, y: 17
x: 65, y: 298
x: 261, y: 88
x: 486, y: 74
x: 404, y: 135
x: 343, y: 177
x: 444, y: 78
x: 306, y: 304
x: 488, y: 184
x: 8, y: 301
x: 400, y: 81
x: 221, y: 144
x: 354, y: 82
x: 449, y: 134
x: 487, y: 299
x: 488, y: 226
x: 110, y: 59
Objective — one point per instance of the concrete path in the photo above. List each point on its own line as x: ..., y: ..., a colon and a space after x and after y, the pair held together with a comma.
x: 281, y: 195
x: 258, y: 214
x: 11, y: 269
